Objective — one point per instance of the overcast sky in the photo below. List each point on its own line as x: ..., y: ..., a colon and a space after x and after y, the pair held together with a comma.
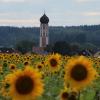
x: 60, y: 12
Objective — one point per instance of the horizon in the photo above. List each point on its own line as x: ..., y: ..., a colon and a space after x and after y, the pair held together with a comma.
x: 49, y: 26
x: 26, y: 13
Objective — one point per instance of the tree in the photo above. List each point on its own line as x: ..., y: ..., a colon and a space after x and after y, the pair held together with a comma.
x: 61, y: 47
x: 48, y: 48
x: 81, y: 38
x: 24, y: 46
x: 75, y: 48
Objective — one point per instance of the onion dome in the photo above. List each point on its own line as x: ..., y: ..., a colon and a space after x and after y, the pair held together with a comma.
x: 44, y: 19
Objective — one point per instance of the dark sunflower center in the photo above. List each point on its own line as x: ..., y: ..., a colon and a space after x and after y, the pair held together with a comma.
x: 12, y: 67
x: 65, y: 95
x: 39, y: 66
x: 72, y: 97
x: 53, y: 62
x: 24, y: 85
x: 1, y: 73
x: 26, y: 63
x: 79, y: 72
x: 42, y: 62
x: 7, y: 85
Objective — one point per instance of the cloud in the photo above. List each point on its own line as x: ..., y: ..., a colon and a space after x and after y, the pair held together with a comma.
x: 19, y: 22
x: 91, y: 21
x: 22, y: 1
x: 84, y: 1
x: 17, y: 15
x: 9, y: 1
x: 91, y: 13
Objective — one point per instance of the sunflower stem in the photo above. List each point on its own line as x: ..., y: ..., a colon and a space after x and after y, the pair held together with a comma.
x: 78, y: 96
x: 97, y: 95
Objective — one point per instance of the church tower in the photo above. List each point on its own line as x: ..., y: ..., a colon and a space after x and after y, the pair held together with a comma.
x: 44, y: 30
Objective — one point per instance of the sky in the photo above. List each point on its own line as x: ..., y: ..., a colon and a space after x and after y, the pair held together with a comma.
x: 27, y: 13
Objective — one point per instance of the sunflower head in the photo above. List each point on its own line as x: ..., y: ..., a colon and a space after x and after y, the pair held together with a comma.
x: 64, y: 95
x: 12, y: 66
x: 26, y: 84
x: 26, y: 63
x: 68, y: 94
x: 1, y: 73
x: 7, y: 85
x: 39, y: 66
x: 80, y: 72
x: 54, y: 62
x: 72, y: 97
x: 4, y: 90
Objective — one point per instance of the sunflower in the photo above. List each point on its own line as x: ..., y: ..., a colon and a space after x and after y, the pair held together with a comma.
x: 26, y: 63
x: 12, y: 67
x: 26, y: 84
x: 68, y: 94
x: 1, y: 72
x: 4, y: 90
x: 64, y: 95
x: 39, y: 66
x: 72, y: 96
x: 54, y: 62
x: 79, y: 72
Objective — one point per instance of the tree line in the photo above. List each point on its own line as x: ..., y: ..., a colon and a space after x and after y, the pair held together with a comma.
x: 83, y: 35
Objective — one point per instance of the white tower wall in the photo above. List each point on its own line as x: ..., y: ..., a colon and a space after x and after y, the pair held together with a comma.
x: 44, y: 37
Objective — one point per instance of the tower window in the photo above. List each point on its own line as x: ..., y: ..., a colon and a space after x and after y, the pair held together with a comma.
x: 43, y: 27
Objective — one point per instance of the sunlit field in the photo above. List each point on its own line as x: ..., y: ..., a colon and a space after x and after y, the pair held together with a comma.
x: 49, y: 77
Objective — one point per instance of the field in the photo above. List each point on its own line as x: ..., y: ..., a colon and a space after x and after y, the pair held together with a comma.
x: 49, y: 77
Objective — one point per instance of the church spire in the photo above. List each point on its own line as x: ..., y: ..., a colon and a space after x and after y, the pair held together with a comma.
x: 44, y: 37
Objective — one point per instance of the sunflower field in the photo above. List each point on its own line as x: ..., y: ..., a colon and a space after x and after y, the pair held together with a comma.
x: 49, y: 77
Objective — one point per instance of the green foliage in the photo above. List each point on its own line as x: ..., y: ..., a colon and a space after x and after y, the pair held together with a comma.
x: 61, y: 47
x: 24, y: 46
x: 81, y: 34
